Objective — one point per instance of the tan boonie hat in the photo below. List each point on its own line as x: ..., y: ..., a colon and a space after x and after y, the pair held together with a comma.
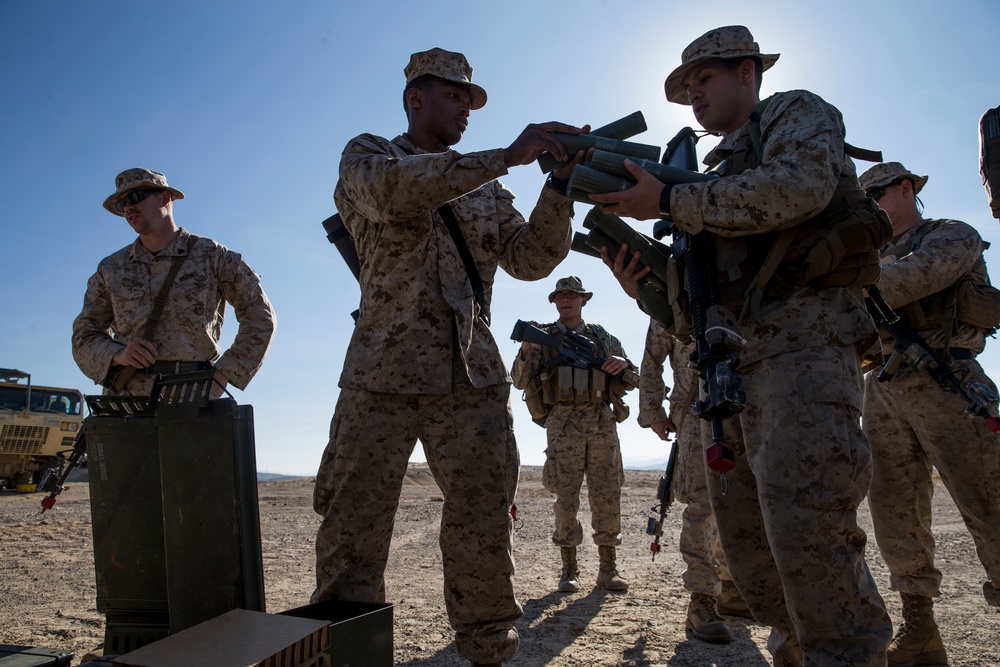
x: 885, y: 173
x: 137, y: 179
x: 446, y: 65
x: 570, y: 284
x: 732, y: 41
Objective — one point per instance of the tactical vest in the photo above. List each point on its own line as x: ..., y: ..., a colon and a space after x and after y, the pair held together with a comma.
x: 566, y: 385
x: 839, y: 247
x: 971, y: 300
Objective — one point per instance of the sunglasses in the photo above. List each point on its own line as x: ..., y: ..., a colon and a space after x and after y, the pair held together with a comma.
x: 877, y: 193
x: 134, y: 197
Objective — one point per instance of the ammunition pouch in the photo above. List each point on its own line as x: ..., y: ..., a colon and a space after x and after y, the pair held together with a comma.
x: 670, y: 308
x: 977, y: 305
x: 839, y: 247
x: 534, y: 399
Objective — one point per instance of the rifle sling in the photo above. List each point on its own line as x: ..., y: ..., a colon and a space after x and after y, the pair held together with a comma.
x: 448, y: 215
x: 154, y: 315
x: 451, y: 222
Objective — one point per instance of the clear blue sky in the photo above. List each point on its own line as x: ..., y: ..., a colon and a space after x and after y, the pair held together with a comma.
x: 246, y: 106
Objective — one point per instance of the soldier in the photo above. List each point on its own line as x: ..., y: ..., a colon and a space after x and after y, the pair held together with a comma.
x: 431, y: 227
x: 788, y: 520
x: 114, y: 342
x: 931, y: 273
x: 582, y: 434
x: 707, y: 575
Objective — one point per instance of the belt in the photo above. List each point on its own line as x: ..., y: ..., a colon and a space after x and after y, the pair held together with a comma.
x: 172, y: 367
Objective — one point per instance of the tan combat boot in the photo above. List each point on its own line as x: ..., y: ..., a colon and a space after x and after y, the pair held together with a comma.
x: 569, y: 579
x: 917, y: 642
x: 608, y: 575
x: 704, y: 621
x: 730, y: 603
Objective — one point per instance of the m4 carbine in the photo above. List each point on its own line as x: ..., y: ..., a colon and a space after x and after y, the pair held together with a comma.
x: 911, y: 348
x: 574, y: 350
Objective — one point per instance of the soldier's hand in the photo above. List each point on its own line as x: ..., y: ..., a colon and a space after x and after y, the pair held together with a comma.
x: 219, y: 384
x: 564, y: 172
x: 627, y: 275
x: 536, y: 139
x: 641, y: 201
x: 663, y: 428
x: 614, y: 365
x: 138, y: 352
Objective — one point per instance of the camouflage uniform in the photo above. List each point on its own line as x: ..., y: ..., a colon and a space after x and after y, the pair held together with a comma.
x: 423, y: 364
x: 699, y: 539
x: 806, y: 461
x: 120, y: 297
x: 582, y: 441
x: 913, y: 425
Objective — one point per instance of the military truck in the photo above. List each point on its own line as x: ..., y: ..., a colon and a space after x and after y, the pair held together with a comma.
x: 36, y: 423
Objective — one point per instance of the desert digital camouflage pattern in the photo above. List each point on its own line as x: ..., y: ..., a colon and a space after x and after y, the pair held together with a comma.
x: 582, y: 441
x: 423, y: 364
x: 120, y: 296
x: 913, y: 425
x: 948, y: 250
x: 802, y: 135
x: 469, y: 443
x: 699, y: 539
x: 810, y: 463
x: 413, y: 284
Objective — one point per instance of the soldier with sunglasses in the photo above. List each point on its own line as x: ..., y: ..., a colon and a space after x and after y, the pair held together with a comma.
x: 934, y: 277
x: 108, y: 333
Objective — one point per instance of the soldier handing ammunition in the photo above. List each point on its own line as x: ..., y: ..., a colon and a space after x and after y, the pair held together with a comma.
x: 648, y: 199
x: 537, y: 139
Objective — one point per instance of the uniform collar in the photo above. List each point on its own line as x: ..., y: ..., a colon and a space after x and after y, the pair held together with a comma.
x: 176, y: 248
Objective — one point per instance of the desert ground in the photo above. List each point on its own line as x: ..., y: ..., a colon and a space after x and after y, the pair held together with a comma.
x: 47, y: 585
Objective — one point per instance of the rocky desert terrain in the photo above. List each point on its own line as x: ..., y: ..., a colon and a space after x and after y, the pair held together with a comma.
x: 47, y: 587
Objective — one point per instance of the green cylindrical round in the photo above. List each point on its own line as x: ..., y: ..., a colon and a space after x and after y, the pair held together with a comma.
x: 589, y: 179
x: 614, y: 163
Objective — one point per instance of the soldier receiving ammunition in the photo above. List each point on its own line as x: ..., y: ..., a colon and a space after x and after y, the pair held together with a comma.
x: 707, y: 575
x: 584, y: 407
x: 432, y: 226
x: 934, y: 277
x: 788, y: 521
x: 122, y: 340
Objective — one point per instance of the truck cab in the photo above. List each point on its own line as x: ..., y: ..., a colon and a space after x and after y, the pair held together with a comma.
x: 36, y: 423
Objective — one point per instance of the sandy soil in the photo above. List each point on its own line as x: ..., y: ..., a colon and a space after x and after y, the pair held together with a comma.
x: 47, y: 582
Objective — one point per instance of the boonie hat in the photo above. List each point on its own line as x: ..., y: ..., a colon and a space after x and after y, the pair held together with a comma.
x: 446, y: 65
x: 733, y: 41
x: 570, y: 284
x: 885, y: 173
x: 138, y: 179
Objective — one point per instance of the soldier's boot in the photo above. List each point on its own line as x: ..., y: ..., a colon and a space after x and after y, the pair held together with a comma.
x: 569, y: 579
x: 992, y: 594
x: 704, y: 622
x: 608, y: 575
x: 730, y: 603
x: 917, y: 642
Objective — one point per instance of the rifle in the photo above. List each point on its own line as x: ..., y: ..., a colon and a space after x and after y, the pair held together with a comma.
x: 911, y: 348
x: 664, y: 490
x: 49, y: 483
x: 574, y: 350
x: 717, y: 338
x: 338, y: 235
x: 718, y: 342
x: 664, y: 495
